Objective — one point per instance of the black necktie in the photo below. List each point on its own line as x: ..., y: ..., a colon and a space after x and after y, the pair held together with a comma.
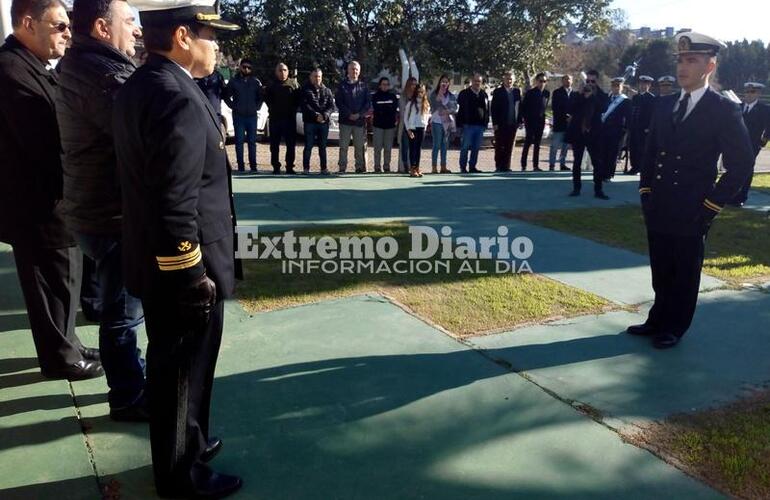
x: 682, y: 111
x: 745, y: 109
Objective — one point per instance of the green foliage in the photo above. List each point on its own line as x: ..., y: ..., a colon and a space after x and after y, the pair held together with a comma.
x: 465, y: 36
x: 744, y: 61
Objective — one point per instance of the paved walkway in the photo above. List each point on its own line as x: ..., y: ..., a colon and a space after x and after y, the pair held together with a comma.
x: 357, y: 399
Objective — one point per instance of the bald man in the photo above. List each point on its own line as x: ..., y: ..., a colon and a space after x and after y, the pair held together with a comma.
x: 282, y: 98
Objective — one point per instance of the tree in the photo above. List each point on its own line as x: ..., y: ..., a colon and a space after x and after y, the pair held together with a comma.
x: 655, y: 57
x: 743, y: 61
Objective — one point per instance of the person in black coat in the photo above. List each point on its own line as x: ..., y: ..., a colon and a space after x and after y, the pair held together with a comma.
x: 533, y: 115
x: 615, y: 122
x: 756, y: 116
x: 48, y: 263
x: 506, y: 101
x: 584, y: 132
x: 678, y: 184
x: 560, y: 106
x: 178, y: 237
x: 282, y: 99
x: 317, y: 105
x: 642, y: 105
x: 214, y: 88
x: 91, y: 72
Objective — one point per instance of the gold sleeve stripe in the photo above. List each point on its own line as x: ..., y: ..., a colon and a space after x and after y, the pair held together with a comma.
x: 713, y: 206
x: 645, y: 190
x: 188, y: 259
x: 177, y: 267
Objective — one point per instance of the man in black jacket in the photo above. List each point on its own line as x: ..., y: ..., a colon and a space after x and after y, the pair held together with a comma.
x: 642, y: 105
x: 533, y: 115
x: 177, y: 236
x: 91, y: 72
x: 384, y: 122
x: 47, y: 260
x: 473, y: 118
x: 317, y: 103
x: 615, y: 122
x: 243, y: 95
x: 505, y: 119
x: 282, y: 99
x: 756, y: 115
x: 560, y: 106
x: 678, y: 184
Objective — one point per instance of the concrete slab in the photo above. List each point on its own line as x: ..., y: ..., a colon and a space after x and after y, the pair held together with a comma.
x: 592, y: 360
x: 356, y: 399
x: 758, y: 200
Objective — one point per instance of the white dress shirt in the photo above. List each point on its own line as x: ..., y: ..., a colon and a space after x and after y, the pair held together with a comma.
x: 695, y: 96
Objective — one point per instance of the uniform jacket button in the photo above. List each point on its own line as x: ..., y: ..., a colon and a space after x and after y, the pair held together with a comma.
x: 658, y: 177
x: 660, y: 165
x: 221, y: 145
x: 678, y: 157
x: 662, y: 153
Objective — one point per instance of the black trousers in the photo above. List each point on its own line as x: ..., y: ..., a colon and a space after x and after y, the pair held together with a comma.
x: 743, y: 195
x: 415, y: 147
x: 636, y: 149
x: 578, y: 150
x: 609, y: 151
x: 50, y: 281
x: 504, y: 137
x: 283, y: 129
x: 532, y: 138
x: 676, y: 263
x: 180, y: 375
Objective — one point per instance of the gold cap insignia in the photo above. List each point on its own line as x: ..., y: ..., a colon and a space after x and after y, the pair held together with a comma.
x: 200, y: 16
x: 684, y: 44
x: 184, y: 246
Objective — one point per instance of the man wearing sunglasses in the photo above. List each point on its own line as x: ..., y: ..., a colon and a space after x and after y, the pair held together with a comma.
x: 243, y: 95
x: 756, y: 116
x: 91, y: 73
x: 533, y: 108
x: 48, y: 262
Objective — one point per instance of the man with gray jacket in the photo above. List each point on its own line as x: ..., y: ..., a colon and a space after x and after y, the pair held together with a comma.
x: 244, y: 96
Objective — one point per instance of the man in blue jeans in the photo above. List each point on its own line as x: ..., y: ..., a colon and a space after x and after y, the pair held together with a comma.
x: 244, y: 96
x: 473, y: 117
x: 317, y: 105
x: 92, y: 71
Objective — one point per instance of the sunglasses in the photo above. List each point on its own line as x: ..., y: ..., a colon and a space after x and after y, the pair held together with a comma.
x: 60, y: 27
x: 246, y: 68
x: 591, y: 81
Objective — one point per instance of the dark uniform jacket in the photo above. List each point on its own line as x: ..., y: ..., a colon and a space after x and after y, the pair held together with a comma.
x: 91, y: 72
x: 534, y: 105
x: 678, y: 175
x: 642, y: 106
x: 30, y: 163
x: 500, y: 108
x: 315, y: 101
x: 213, y: 87
x: 473, y: 108
x: 758, y: 123
x: 616, y: 123
x: 177, y: 216
x: 560, y: 106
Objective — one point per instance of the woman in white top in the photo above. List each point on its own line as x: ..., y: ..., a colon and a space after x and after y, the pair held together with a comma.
x: 443, y: 103
x: 416, y: 116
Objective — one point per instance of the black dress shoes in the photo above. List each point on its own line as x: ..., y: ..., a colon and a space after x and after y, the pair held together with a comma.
x: 564, y: 168
x: 474, y: 170
x: 213, y: 447
x: 90, y: 353
x: 601, y: 196
x: 575, y: 193
x: 665, y: 340
x: 643, y: 330
x: 82, y: 370
x: 137, y: 412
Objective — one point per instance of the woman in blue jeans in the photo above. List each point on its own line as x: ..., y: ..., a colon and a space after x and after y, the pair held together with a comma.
x: 443, y: 103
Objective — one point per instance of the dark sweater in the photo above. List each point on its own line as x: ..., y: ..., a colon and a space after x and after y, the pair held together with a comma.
x: 385, y: 106
x: 474, y: 108
x: 282, y: 99
x: 316, y: 101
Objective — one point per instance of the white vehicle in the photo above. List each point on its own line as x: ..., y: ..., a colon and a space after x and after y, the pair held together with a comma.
x: 229, y: 128
x: 334, y: 126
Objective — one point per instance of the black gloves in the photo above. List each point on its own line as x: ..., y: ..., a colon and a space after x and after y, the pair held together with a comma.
x: 196, y: 301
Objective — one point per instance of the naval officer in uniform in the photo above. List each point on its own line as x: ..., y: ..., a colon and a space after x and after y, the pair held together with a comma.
x: 642, y: 105
x: 177, y: 235
x: 756, y: 116
x: 679, y: 190
x: 666, y: 85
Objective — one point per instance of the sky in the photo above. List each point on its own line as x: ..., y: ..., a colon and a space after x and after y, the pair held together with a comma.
x: 725, y: 20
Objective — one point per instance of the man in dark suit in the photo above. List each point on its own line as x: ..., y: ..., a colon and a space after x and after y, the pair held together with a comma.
x: 48, y: 263
x: 642, y: 105
x: 560, y: 106
x: 533, y: 115
x: 615, y: 120
x: 756, y: 116
x: 679, y: 196
x: 177, y: 235
x: 504, y: 110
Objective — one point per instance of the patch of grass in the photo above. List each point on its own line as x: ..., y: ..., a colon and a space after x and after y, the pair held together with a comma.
x: 729, y: 447
x: 761, y: 182
x: 737, y: 251
x: 462, y: 303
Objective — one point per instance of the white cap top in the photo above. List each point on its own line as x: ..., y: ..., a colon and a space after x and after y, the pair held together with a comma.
x: 690, y: 42
x: 666, y: 79
x: 753, y: 85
